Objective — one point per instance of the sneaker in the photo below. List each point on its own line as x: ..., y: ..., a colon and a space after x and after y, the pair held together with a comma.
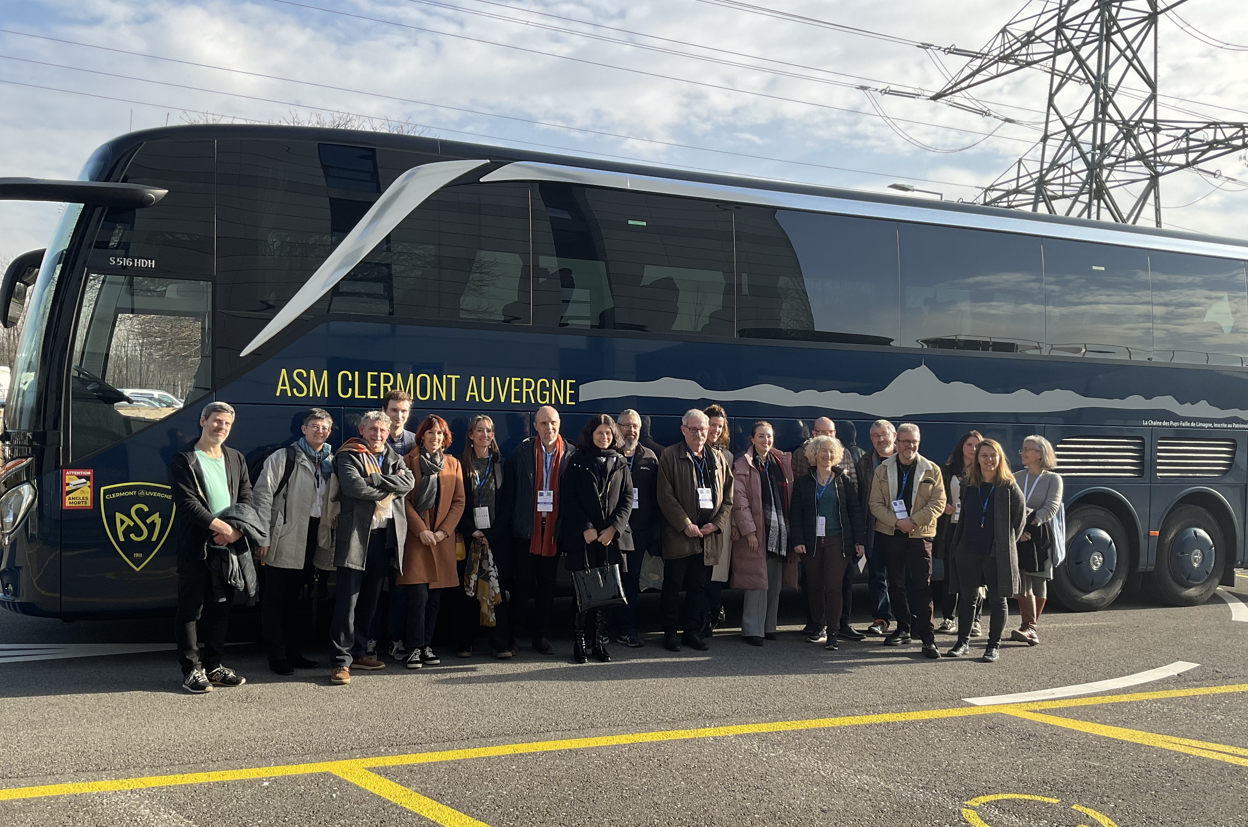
x: 413, y: 660
x: 959, y: 649
x: 225, y: 676
x: 897, y: 638
x: 948, y: 626
x: 367, y: 664
x: 1031, y: 637
x: 504, y: 654
x: 429, y: 657
x: 977, y: 630
x: 463, y: 653
x: 397, y: 651
x: 370, y: 650
x: 930, y: 651
x: 632, y: 640
x: 817, y: 636
x: 197, y: 682
x: 340, y: 676
x: 831, y: 645
x: 1019, y: 634
x: 991, y: 654
x: 879, y: 628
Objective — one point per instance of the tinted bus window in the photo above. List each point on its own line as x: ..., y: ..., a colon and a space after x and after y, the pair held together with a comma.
x: 816, y: 277
x: 630, y: 261
x: 1098, y: 300
x: 175, y: 235
x: 971, y: 290
x: 1200, y: 309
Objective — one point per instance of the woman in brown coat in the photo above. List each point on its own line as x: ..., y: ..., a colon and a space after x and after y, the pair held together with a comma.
x: 763, y: 479
x: 434, y: 508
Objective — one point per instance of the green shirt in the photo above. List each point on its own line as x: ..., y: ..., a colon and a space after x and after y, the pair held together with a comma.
x: 214, y: 480
x: 828, y: 507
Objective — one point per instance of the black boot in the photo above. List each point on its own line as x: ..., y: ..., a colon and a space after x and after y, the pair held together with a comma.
x: 601, y: 638
x: 578, y: 639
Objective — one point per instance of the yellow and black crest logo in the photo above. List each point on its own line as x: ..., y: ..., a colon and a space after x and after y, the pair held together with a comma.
x: 138, y: 517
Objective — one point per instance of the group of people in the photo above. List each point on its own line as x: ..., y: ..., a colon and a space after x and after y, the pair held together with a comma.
x: 477, y: 541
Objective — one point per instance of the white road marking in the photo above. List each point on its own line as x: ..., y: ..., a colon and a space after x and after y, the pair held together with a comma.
x: 1178, y: 667
x: 1238, y: 610
x: 24, y: 652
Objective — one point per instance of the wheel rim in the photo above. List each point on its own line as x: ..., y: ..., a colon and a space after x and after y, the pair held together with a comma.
x: 1192, y: 556
x: 1092, y: 559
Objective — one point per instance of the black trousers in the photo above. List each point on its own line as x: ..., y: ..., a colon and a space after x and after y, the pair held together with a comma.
x: 909, y: 557
x: 626, y: 615
x: 423, y: 604
x: 358, y: 593
x: 200, y: 617
x: 688, y: 573
x: 282, y: 617
x: 973, y: 572
x: 534, y: 579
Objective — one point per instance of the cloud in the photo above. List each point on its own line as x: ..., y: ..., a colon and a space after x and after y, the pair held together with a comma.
x: 388, y: 47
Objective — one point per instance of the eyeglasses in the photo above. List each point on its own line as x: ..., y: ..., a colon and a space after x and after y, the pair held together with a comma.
x: 907, y: 442
x: 694, y: 430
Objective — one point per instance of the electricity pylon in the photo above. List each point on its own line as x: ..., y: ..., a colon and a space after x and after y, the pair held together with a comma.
x: 1102, y: 134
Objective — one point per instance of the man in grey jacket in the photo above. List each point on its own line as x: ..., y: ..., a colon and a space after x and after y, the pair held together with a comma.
x: 289, y: 494
x: 370, y: 530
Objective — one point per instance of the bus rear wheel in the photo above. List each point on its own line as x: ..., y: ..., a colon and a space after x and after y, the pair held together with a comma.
x: 1190, y: 555
x: 1097, y: 561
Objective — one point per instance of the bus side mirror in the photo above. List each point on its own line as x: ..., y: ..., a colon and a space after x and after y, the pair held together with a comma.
x: 18, y: 279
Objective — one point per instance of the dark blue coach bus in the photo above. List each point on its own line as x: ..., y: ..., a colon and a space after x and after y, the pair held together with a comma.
x: 279, y: 268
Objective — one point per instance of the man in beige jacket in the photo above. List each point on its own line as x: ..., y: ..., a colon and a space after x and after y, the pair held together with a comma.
x: 907, y: 495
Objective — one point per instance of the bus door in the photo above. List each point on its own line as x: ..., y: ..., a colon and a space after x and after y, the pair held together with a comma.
x: 141, y: 360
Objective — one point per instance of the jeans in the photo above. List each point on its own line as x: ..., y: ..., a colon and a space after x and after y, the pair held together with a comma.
x: 534, y: 578
x: 825, y: 577
x: 356, y: 601
x: 973, y: 572
x: 877, y: 579
x: 761, y: 607
x: 909, y: 557
x: 422, y: 614
x: 688, y: 573
x: 200, y: 617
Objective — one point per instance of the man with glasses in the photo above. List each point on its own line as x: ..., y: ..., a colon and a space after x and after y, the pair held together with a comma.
x: 695, y: 496
x: 907, y: 496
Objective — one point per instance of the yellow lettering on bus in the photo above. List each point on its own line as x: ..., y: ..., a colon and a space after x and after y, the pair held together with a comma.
x: 569, y: 391
x: 318, y: 388
x: 399, y: 386
x: 439, y: 387
x: 341, y: 375
x: 528, y: 390
x: 422, y: 380
x: 372, y: 382
x: 283, y: 383
x: 386, y: 383
x: 543, y: 391
x: 472, y: 395
x: 453, y: 377
x: 301, y: 386
x: 556, y: 392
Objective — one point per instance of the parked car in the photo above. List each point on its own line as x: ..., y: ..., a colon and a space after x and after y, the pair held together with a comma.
x: 161, y: 399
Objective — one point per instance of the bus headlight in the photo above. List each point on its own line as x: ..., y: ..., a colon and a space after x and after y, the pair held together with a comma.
x: 14, y: 506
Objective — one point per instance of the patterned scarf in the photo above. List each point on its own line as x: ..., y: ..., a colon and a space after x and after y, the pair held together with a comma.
x: 425, y: 497
x: 481, y: 579
x: 775, y: 495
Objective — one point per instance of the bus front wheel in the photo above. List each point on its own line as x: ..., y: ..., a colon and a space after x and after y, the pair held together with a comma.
x: 1190, y: 555
x: 1098, y: 560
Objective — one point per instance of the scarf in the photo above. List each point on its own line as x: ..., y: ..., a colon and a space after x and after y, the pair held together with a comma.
x: 481, y: 580
x: 775, y: 492
x: 543, y: 542
x: 425, y: 498
x: 322, y: 460
x: 355, y: 445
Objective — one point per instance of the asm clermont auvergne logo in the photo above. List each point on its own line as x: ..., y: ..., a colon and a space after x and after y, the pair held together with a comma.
x: 137, y: 518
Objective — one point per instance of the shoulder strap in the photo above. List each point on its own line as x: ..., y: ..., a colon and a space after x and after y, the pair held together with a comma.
x: 291, y: 460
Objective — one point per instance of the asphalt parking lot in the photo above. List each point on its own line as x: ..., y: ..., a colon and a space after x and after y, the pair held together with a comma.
x: 785, y: 734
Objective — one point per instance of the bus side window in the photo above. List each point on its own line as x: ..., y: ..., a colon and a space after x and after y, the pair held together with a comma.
x: 141, y: 352
x: 1200, y: 309
x: 1098, y: 300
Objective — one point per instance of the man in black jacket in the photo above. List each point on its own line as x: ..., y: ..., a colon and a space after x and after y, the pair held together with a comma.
x: 883, y: 442
x: 207, y: 479
x: 531, y: 505
x: 645, y: 521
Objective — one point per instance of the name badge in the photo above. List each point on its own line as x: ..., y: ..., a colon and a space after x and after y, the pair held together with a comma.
x: 821, y: 526
x: 545, y: 501
x: 957, y: 511
x: 636, y: 501
x: 704, y: 498
x: 481, y: 517
x: 899, y: 509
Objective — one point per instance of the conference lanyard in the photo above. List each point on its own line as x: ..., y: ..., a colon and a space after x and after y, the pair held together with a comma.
x: 819, y: 489
x: 547, y: 460
x: 700, y: 464
x: 1027, y: 491
x: 984, y: 501
x: 482, y: 478
x: 901, y: 491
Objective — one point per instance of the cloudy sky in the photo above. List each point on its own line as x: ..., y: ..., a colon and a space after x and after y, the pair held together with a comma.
x: 765, y: 88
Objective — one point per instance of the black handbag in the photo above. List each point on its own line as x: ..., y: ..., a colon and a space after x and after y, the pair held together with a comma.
x: 598, y: 588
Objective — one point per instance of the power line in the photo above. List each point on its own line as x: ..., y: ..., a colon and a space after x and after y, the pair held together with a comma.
x: 671, y: 144
x: 584, y: 61
x: 504, y: 139
x: 1207, y: 39
x: 813, y: 21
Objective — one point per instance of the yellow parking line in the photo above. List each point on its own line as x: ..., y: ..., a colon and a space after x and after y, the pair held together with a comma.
x: 435, y: 811
x: 1203, y: 749
x: 349, y: 765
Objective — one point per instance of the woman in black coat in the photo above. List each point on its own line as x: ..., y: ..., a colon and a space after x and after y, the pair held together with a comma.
x: 596, y: 499
x: 825, y: 520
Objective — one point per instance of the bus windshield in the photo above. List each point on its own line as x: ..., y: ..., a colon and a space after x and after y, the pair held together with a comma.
x: 20, y: 409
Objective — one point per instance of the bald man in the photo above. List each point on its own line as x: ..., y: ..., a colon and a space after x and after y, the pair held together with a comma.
x: 531, y: 502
